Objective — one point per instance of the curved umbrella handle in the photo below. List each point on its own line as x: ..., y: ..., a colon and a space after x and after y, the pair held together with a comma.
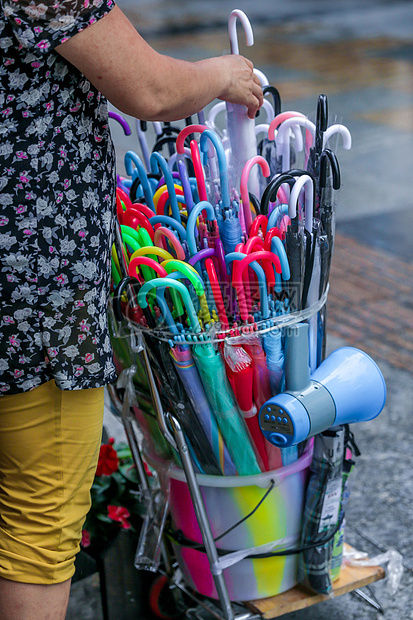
x: 272, y: 189
x: 159, y: 163
x: 151, y: 250
x: 178, y: 269
x: 260, y: 222
x: 123, y: 123
x: 329, y: 156
x: 219, y: 107
x: 134, y: 219
x: 305, y: 182
x: 274, y: 244
x: 176, y: 157
x: 201, y: 255
x: 190, y: 229
x: 169, y: 234
x: 280, y: 118
x: 164, y: 201
x: 132, y: 158
x: 342, y: 131
x: 232, y: 30
x: 181, y: 288
x: 262, y: 78
x: 265, y: 169
x: 184, y: 133
x: 282, y: 139
x: 222, y: 162
x: 262, y: 128
x: 256, y: 244
x: 253, y: 244
x: 169, y: 221
x: 186, y: 271
x: 269, y: 89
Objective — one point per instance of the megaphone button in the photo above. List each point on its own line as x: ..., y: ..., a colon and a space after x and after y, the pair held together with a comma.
x: 277, y: 439
x: 266, y: 417
x: 279, y: 419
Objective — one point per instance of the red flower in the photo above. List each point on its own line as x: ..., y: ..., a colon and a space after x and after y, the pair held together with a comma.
x: 108, y: 461
x: 120, y: 515
x: 85, y: 539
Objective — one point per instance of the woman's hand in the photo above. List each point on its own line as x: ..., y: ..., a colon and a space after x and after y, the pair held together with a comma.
x: 244, y: 86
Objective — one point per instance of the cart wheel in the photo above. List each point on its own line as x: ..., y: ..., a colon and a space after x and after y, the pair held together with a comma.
x: 161, y: 600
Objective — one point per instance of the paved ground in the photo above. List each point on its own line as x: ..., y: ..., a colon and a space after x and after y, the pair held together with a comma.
x: 359, y: 53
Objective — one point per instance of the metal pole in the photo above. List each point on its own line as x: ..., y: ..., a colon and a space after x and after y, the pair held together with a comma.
x: 202, y: 519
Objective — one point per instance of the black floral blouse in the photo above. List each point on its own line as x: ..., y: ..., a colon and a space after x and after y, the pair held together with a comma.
x: 57, y: 203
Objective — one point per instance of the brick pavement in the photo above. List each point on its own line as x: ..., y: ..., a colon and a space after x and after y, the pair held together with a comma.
x: 370, y: 303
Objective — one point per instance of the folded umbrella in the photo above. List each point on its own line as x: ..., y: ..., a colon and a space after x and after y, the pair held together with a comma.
x: 322, y: 510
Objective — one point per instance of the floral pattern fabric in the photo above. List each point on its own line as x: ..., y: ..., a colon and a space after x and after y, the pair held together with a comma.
x: 57, y: 203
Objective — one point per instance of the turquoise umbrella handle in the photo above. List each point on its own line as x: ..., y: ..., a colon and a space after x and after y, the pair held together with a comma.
x: 204, y: 205
x: 169, y: 221
x: 277, y: 247
x: 132, y: 158
x: 181, y: 288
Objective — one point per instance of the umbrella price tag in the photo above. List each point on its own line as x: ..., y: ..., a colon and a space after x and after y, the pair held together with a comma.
x: 331, y: 504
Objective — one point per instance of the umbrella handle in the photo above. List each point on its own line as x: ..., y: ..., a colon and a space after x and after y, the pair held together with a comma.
x: 147, y: 261
x: 244, y: 185
x: 232, y: 30
x: 135, y: 219
x: 176, y: 244
x: 272, y: 189
x: 169, y: 221
x: 282, y: 139
x: 260, y: 222
x: 305, y: 182
x: 184, y: 133
x: 219, y: 107
x: 159, y: 164
x: 269, y: 89
x: 181, y: 288
x: 222, y: 162
x: 185, y: 271
x: 151, y: 250
x: 329, y: 156
x: 206, y: 206
x: 277, y: 247
x: 123, y: 123
x: 132, y: 158
x: 201, y: 255
x: 342, y: 131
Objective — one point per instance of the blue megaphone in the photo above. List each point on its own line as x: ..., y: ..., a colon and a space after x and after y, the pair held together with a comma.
x: 347, y: 387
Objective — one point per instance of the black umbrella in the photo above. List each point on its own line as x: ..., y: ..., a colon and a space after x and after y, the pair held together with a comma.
x: 321, y: 519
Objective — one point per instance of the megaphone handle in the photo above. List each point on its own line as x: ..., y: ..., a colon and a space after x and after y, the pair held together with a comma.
x: 297, y: 369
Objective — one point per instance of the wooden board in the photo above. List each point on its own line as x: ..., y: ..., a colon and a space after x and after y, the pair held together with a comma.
x: 351, y: 578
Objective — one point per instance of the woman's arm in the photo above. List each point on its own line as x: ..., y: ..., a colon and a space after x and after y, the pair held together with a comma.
x: 150, y: 86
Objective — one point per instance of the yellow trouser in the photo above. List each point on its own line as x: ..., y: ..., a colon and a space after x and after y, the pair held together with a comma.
x: 49, y: 446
